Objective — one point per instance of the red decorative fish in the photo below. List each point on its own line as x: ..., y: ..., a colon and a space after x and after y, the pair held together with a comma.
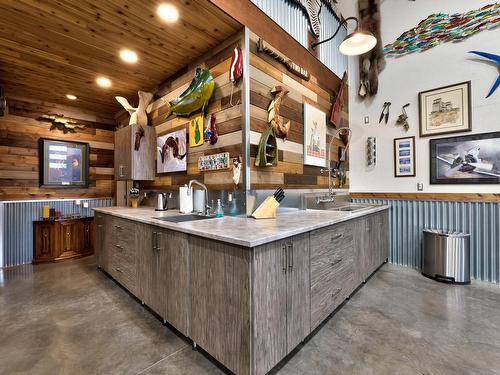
x: 236, y: 70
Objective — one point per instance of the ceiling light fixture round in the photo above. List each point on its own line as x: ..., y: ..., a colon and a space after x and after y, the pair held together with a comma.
x: 103, y: 82
x: 128, y: 56
x: 167, y: 12
x: 71, y: 97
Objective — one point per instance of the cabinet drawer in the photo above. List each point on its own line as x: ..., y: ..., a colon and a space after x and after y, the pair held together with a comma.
x: 122, y: 230
x: 328, y: 239
x: 330, y: 285
x: 122, y: 267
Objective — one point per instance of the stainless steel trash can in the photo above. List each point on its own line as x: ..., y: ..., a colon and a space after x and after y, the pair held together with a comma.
x: 446, y: 256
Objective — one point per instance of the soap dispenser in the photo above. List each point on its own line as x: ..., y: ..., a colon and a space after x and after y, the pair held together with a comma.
x: 219, y: 212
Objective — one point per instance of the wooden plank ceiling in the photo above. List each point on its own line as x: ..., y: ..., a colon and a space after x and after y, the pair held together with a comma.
x: 49, y: 48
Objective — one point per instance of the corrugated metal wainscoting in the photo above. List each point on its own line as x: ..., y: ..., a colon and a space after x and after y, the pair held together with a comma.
x: 480, y: 219
x: 16, y: 219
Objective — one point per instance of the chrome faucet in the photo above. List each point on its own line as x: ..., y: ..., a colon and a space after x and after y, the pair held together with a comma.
x: 330, y: 198
x: 204, y: 187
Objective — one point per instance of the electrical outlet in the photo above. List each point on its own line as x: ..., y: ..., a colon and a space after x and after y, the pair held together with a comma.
x: 367, y: 120
x: 77, y: 202
x: 85, y: 204
x: 420, y: 186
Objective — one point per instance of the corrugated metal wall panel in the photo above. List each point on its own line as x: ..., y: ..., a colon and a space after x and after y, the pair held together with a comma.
x: 480, y: 219
x: 294, y: 21
x: 17, y: 227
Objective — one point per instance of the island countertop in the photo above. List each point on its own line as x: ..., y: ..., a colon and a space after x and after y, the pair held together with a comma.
x: 243, y: 231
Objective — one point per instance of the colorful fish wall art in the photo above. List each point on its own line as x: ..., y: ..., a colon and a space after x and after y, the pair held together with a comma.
x: 441, y: 28
x: 196, y: 131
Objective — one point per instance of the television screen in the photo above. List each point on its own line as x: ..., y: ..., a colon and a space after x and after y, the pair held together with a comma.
x: 63, y: 164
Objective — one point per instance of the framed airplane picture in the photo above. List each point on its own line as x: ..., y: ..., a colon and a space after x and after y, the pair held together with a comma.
x: 404, y: 157
x: 470, y: 159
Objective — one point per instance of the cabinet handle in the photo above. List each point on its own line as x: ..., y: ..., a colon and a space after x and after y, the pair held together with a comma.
x: 336, y: 292
x: 154, y: 241
x: 335, y: 262
x: 118, y: 227
x: 337, y: 237
x: 290, y: 255
x: 283, y: 257
x: 118, y: 270
x: 158, y: 234
x: 121, y: 168
x: 99, y: 225
x: 119, y: 247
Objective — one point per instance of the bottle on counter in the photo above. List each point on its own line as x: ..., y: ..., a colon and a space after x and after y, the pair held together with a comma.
x: 219, y: 212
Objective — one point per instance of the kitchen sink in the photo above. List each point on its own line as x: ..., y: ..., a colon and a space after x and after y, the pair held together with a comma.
x: 351, y: 208
x: 183, y: 218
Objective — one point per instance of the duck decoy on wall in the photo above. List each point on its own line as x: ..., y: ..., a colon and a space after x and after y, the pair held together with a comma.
x: 59, y: 122
x: 403, y: 118
x: 494, y: 58
x: 195, y: 97
x: 138, y: 115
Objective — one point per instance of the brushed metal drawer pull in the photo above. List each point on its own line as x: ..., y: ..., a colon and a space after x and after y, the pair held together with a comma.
x: 119, y: 247
x: 335, y: 262
x: 154, y: 241
x: 283, y: 257
x: 290, y: 255
x: 118, y: 270
x: 118, y: 227
x: 158, y: 234
x: 336, y: 292
x: 337, y: 237
x: 99, y: 225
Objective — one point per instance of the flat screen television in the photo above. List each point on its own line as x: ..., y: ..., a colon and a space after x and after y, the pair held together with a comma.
x: 63, y: 164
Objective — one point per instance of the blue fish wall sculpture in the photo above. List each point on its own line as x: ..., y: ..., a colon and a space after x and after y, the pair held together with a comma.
x: 492, y: 57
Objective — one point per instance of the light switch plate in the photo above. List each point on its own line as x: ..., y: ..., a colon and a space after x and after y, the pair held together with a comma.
x: 420, y: 186
x: 367, y: 120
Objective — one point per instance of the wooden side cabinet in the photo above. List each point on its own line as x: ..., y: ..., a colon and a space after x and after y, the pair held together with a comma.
x: 131, y: 164
x: 60, y: 239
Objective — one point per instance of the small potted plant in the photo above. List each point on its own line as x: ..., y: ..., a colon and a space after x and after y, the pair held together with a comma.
x: 134, y: 197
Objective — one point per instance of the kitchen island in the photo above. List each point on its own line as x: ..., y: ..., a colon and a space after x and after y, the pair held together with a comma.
x: 246, y: 291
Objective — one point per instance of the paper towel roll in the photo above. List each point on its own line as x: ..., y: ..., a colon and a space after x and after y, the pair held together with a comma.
x: 199, y: 201
x: 186, y: 201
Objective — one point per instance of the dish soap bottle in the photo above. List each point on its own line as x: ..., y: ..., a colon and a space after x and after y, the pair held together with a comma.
x: 219, y: 212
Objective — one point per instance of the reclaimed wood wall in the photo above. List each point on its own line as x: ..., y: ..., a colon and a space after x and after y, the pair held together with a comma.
x: 265, y: 73
x: 229, y: 120
x: 20, y: 131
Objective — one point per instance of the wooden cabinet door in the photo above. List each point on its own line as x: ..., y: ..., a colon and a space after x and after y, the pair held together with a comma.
x: 270, y: 305
x: 298, y: 303
x: 88, y: 239
x: 43, y: 242
x: 146, y: 263
x: 173, y: 263
x: 68, y: 241
x: 123, y: 153
x: 99, y: 248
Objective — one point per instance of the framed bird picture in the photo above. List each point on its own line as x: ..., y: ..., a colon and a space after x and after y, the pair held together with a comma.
x: 196, y: 131
x: 171, y: 152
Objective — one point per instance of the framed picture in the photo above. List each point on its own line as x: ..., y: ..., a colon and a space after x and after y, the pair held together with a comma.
x: 171, y: 152
x: 63, y: 164
x: 445, y: 110
x: 404, y: 157
x: 314, y: 136
x: 470, y: 159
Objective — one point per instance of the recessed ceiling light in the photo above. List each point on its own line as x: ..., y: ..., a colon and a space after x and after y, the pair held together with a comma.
x: 167, y: 12
x: 128, y: 56
x: 71, y: 97
x: 103, y: 82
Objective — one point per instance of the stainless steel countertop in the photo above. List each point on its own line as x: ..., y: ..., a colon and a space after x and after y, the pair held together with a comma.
x: 243, y: 231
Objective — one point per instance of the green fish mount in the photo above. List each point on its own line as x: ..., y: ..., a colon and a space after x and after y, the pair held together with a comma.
x: 195, y: 97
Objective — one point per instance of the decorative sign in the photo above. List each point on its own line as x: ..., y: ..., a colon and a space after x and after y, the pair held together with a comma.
x: 196, y: 131
x: 404, y: 157
x: 265, y: 47
x: 441, y: 28
x: 214, y: 162
x: 314, y: 136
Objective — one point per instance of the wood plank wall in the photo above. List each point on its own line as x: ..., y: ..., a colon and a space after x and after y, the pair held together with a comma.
x: 229, y: 120
x: 19, y: 134
x: 265, y: 72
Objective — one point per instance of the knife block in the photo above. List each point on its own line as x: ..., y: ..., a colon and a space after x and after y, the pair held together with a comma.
x: 267, y: 209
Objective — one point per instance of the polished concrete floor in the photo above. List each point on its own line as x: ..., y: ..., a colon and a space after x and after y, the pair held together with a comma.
x: 68, y: 318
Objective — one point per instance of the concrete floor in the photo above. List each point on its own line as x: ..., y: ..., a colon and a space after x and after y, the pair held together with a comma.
x: 68, y: 318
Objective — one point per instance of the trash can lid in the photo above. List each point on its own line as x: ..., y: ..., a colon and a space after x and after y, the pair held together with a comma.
x: 448, y: 233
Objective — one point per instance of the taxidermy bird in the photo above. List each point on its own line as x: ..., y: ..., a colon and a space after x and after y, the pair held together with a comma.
x: 273, y: 112
x: 137, y: 115
x: 63, y: 124
x: 494, y: 58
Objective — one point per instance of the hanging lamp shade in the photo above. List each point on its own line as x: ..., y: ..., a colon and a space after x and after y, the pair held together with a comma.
x: 357, y: 43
